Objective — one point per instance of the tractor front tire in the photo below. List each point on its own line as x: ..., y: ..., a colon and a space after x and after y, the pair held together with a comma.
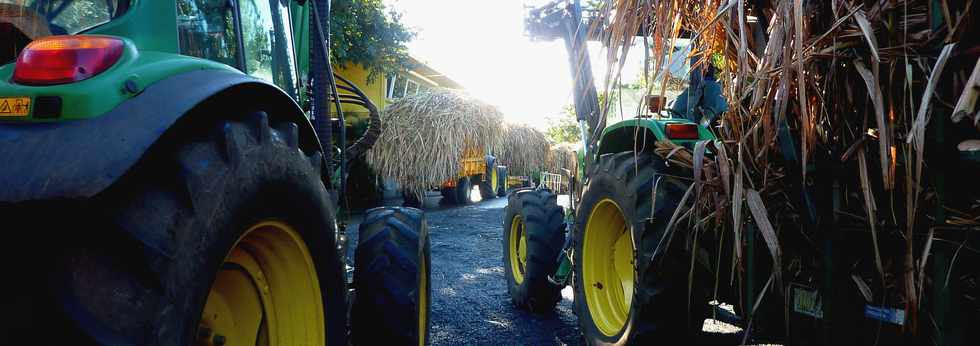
x: 534, y: 233
x: 502, y: 181
x: 490, y: 180
x: 225, y: 236
x: 631, y: 282
x: 391, y: 281
x: 488, y: 185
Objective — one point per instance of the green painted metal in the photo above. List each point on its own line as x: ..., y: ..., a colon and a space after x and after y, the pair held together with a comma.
x: 149, y: 30
x: 622, y: 135
x: 97, y: 95
x: 656, y: 125
x: 150, y: 25
x: 300, y: 17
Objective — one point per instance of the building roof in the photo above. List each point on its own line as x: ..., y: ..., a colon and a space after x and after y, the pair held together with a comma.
x: 426, y: 71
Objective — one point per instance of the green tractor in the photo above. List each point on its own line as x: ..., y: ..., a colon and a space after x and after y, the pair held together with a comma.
x: 630, y: 282
x: 171, y: 176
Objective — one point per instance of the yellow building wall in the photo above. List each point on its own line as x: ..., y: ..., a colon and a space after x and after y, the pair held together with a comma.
x: 376, y: 90
x: 359, y: 76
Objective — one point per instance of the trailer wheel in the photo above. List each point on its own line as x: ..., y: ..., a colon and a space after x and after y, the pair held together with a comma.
x: 488, y: 186
x: 411, y: 200
x: 391, y: 282
x: 624, y: 293
x: 501, y: 181
x: 236, y: 242
x: 448, y: 196
x: 534, y: 233
x: 464, y: 191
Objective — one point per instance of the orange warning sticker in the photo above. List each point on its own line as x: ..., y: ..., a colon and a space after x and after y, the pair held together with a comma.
x: 15, y: 106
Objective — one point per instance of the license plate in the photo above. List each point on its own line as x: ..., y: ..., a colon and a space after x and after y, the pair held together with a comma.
x: 15, y: 106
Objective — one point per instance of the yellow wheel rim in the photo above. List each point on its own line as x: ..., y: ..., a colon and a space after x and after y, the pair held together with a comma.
x: 607, y: 266
x: 493, y: 180
x: 423, y: 301
x: 266, y: 292
x: 517, y: 248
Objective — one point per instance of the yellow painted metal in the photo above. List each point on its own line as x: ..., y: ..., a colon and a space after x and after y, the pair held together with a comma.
x: 514, y: 181
x: 266, y: 292
x: 517, y: 248
x: 423, y: 301
x: 374, y: 89
x: 474, y: 162
x: 493, y: 178
x: 607, y: 267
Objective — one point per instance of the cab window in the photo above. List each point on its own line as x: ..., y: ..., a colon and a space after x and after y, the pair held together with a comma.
x: 268, y: 46
x: 206, y: 29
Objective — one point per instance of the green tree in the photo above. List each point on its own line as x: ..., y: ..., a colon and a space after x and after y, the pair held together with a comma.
x: 563, y: 128
x: 364, y: 32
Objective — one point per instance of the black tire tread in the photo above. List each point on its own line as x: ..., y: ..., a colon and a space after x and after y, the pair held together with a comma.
x: 391, y: 242
x: 544, y: 224
x: 501, y: 181
x: 660, y: 297
x: 487, y: 191
x: 186, y: 205
x: 463, y: 191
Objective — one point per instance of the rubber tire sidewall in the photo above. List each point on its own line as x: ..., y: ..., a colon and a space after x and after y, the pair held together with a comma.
x: 545, y: 233
x: 613, y: 177
x: 464, y: 191
x: 380, y: 280
x: 501, y: 181
x: 188, y: 207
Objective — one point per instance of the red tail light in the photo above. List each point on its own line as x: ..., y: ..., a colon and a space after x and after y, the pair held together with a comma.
x: 65, y: 59
x: 682, y: 131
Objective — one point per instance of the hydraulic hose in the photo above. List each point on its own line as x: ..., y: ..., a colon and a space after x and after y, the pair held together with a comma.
x: 324, y: 44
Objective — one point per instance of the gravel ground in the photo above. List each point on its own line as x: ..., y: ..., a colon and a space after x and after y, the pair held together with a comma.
x: 470, y: 303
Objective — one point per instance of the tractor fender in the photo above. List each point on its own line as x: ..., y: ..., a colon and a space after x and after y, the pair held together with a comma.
x: 79, y: 159
x: 629, y: 137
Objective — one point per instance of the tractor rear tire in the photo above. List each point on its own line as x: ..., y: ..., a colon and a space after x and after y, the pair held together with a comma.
x: 534, y: 233
x: 626, y: 290
x: 391, y: 281
x: 501, y: 181
x: 464, y: 191
x: 214, y: 214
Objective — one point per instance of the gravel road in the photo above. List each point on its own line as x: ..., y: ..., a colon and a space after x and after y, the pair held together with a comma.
x: 470, y: 304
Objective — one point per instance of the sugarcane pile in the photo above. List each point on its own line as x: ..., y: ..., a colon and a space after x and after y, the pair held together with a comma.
x: 562, y: 157
x: 424, y: 136
x: 863, y: 89
x: 524, y: 150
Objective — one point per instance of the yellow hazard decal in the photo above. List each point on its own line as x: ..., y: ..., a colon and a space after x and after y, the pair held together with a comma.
x: 15, y: 106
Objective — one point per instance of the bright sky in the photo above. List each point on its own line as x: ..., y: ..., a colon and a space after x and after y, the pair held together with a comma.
x: 481, y: 44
